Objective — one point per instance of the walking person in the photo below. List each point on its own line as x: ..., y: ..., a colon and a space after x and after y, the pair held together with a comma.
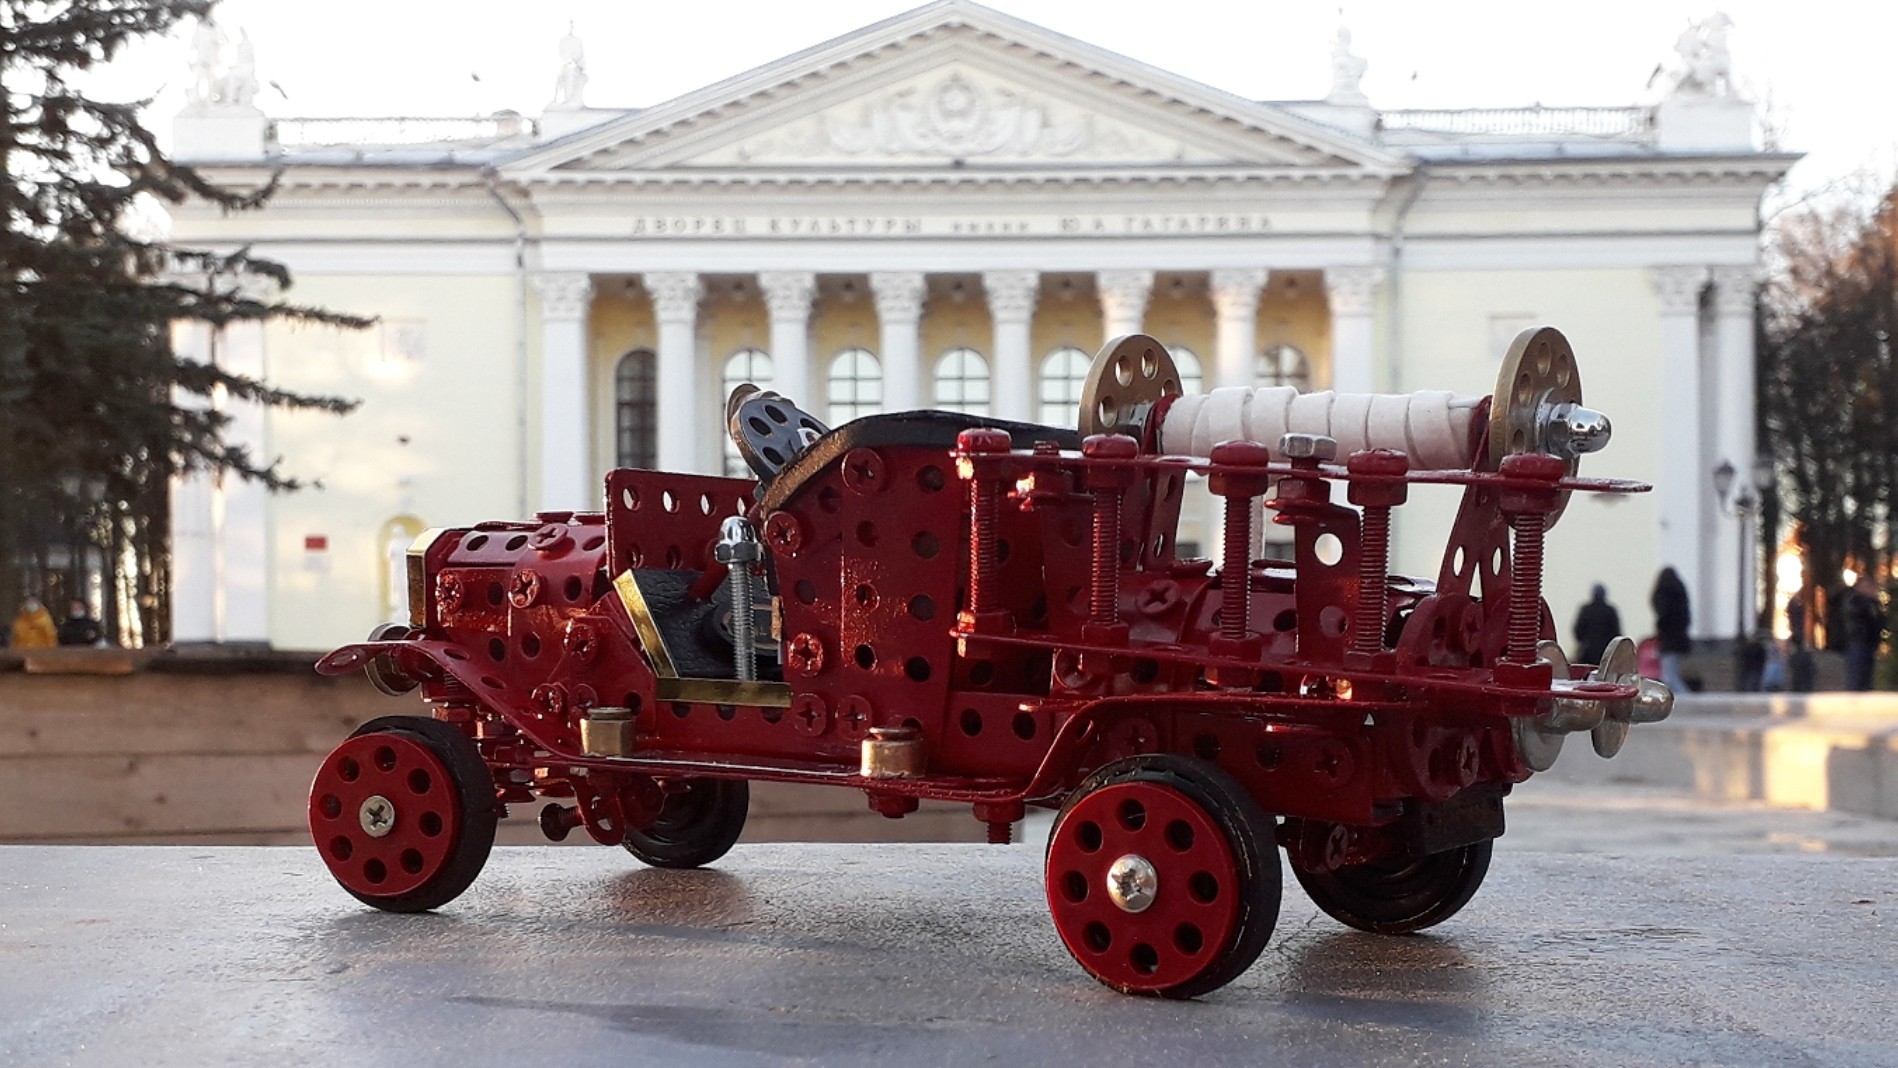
x: 1864, y: 630
x: 1673, y: 615
x: 1596, y: 625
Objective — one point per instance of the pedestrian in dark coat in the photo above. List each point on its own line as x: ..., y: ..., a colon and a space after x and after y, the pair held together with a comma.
x: 1596, y: 625
x: 79, y: 628
x: 1673, y: 616
x: 1864, y: 629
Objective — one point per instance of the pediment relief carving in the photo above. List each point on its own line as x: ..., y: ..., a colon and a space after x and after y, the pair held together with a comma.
x: 948, y: 115
x: 957, y: 118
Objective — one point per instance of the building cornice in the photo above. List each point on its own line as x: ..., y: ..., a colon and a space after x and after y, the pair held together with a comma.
x: 1623, y: 170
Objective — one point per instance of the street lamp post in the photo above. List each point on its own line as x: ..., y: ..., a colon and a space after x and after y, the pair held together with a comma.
x: 1741, y: 508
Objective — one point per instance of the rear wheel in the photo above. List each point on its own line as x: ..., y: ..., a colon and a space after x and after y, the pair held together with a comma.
x: 1401, y: 895
x: 403, y: 813
x: 698, y: 824
x: 1158, y: 878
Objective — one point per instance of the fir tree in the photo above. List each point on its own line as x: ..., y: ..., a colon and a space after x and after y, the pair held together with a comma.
x: 97, y: 412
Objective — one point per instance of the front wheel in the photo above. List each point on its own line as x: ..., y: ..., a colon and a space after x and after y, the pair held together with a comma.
x: 1159, y: 879
x: 403, y: 813
x: 698, y: 823
x: 1402, y: 895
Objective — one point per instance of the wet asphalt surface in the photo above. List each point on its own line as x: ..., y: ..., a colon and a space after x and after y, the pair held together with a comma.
x: 1618, y: 926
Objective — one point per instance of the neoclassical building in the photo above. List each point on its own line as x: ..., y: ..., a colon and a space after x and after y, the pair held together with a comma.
x: 952, y: 208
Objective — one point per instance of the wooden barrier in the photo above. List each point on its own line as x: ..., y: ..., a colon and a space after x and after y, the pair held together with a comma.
x: 221, y: 749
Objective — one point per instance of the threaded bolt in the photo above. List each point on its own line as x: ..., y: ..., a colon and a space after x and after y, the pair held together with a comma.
x: 1367, y: 630
x: 1233, y: 573
x: 1525, y: 587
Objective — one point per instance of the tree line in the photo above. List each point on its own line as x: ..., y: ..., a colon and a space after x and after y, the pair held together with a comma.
x: 98, y: 412
x: 1828, y: 389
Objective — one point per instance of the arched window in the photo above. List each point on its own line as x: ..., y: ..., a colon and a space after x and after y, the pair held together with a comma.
x: 1062, y: 372
x: 1284, y: 365
x: 1187, y: 361
x: 745, y: 365
x: 635, y: 412
x: 962, y: 382
x: 855, y: 385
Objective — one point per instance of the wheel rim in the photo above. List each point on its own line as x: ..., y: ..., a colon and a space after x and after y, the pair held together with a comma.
x: 385, y: 814
x: 1143, y: 886
x: 1400, y: 895
x: 683, y: 812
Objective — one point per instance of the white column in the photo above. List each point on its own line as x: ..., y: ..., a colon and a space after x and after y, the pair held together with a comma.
x: 900, y: 296
x: 566, y: 475
x: 1236, y: 308
x: 675, y: 304
x: 243, y: 525
x: 1012, y: 296
x: 1123, y: 300
x: 787, y: 297
x: 1683, y: 489
x: 1351, y: 290
x: 1733, y: 361
x: 194, y: 583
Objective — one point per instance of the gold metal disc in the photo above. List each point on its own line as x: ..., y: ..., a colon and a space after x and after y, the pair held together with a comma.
x: 1129, y: 374
x: 1538, y: 372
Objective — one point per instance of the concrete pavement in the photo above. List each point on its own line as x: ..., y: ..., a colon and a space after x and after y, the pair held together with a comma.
x: 916, y: 955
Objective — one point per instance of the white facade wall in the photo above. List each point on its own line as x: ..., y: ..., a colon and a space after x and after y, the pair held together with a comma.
x: 456, y: 406
x: 695, y: 238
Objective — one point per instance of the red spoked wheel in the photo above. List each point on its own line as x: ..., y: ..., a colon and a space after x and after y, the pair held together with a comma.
x: 1158, y: 878
x: 403, y: 813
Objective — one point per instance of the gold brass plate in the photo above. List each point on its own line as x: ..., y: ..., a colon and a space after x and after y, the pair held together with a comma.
x: 417, y: 561
x: 723, y: 692
x: 648, y: 630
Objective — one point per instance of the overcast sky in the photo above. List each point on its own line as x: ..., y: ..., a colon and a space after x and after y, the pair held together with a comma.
x: 1824, y: 67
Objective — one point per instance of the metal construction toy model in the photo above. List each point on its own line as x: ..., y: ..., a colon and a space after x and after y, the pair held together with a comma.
x: 933, y: 605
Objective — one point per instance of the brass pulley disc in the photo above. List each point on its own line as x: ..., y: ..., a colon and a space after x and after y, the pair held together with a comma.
x: 1129, y: 375
x: 1538, y: 373
x: 1620, y: 666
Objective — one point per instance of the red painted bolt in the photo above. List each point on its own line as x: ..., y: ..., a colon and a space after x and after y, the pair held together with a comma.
x: 984, y: 492
x: 1376, y: 498
x: 1527, y: 511
x: 1239, y: 476
x: 1108, y: 485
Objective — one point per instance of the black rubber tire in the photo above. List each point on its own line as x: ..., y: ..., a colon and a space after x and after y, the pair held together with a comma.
x: 1248, y: 831
x: 480, y: 812
x: 698, y: 824
x: 1400, y: 898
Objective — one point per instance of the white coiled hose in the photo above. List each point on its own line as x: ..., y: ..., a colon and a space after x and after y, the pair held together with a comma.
x: 1432, y: 427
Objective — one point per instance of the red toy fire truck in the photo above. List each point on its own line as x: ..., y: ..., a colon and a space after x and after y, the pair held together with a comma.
x: 935, y: 605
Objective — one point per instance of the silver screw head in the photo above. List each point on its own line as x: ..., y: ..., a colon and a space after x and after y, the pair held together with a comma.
x: 1570, y: 430
x: 1132, y: 883
x: 377, y: 816
x: 1308, y: 447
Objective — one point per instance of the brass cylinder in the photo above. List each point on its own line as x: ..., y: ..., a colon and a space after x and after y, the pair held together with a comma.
x: 607, y: 732
x: 893, y: 753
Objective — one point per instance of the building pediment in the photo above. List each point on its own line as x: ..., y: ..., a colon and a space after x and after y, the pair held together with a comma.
x: 954, y: 86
